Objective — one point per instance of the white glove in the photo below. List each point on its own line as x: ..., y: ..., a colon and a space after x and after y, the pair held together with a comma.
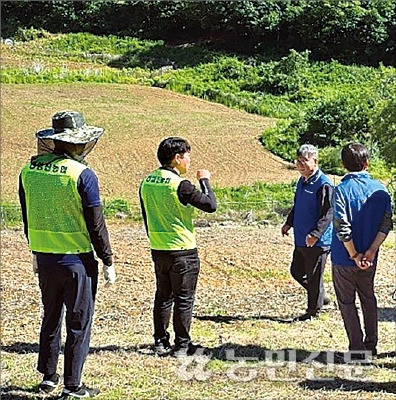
x: 35, y: 266
x: 109, y: 274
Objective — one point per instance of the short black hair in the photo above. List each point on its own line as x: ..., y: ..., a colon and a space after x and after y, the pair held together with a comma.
x: 171, y: 146
x: 354, y: 156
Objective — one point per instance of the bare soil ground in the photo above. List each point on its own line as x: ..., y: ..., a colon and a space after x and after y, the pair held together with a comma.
x: 245, y: 291
x: 244, y: 294
x: 136, y: 119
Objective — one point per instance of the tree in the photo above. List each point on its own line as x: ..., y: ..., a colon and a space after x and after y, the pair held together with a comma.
x: 385, y: 131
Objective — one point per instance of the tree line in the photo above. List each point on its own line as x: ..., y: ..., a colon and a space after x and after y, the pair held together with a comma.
x: 351, y: 31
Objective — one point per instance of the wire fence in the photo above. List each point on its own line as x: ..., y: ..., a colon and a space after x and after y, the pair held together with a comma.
x: 249, y: 210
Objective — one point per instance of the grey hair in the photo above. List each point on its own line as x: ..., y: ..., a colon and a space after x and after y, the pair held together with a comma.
x: 308, y: 150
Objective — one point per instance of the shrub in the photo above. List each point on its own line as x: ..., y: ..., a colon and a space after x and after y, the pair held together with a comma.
x: 333, y: 121
x: 116, y: 208
x: 330, y: 160
x: 385, y: 131
x: 27, y: 34
x: 282, y: 139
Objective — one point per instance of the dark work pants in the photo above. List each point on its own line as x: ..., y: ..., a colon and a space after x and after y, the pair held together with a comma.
x: 68, y: 281
x: 176, y: 283
x: 307, y: 269
x: 347, y: 281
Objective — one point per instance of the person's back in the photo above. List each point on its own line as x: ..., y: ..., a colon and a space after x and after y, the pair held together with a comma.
x: 56, y: 221
x: 169, y: 222
x: 362, y: 221
x: 363, y: 202
x: 63, y: 222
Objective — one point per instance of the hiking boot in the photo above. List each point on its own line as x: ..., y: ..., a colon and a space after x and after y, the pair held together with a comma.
x: 49, y: 383
x: 162, y: 347
x: 310, y: 314
x: 79, y: 393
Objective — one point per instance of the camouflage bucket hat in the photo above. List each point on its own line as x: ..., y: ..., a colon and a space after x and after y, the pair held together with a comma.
x: 70, y: 127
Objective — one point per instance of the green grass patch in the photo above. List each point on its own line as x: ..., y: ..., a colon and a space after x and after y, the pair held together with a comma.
x: 267, y: 201
x: 261, y: 275
x: 10, y: 215
x: 270, y: 202
x: 390, y: 241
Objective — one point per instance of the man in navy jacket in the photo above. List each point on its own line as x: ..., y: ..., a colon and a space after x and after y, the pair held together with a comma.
x: 311, y: 218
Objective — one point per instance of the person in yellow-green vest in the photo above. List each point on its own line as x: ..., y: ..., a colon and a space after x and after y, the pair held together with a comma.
x: 64, y: 223
x: 167, y: 202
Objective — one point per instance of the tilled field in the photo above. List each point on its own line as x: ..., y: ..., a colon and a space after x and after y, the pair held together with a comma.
x: 245, y: 297
x: 136, y: 119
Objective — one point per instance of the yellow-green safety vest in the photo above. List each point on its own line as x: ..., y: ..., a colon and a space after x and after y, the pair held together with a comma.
x: 169, y: 222
x: 55, y: 216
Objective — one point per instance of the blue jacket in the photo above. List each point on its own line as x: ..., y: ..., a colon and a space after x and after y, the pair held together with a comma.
x: 306, y: 212
x: 360, y: 204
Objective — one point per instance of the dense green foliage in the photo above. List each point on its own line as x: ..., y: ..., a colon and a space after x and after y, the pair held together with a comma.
x: 385, y: 130
x: 348, y: 30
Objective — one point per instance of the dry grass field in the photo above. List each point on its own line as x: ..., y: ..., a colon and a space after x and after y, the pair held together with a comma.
x: 245, y: 295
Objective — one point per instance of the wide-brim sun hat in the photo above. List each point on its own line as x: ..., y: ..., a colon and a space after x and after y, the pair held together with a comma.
x: 70, y: 127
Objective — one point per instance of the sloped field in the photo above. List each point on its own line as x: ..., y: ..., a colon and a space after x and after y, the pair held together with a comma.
x: 245, y: 291
x: 136, y: 119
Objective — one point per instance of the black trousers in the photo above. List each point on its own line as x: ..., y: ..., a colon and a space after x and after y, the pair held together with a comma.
x: 176, y: 282
x: 307, y: 269
x: 66, y: 281
x: 347, y: 282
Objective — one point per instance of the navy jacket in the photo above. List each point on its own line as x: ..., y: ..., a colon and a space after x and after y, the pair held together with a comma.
x: 313, y: 210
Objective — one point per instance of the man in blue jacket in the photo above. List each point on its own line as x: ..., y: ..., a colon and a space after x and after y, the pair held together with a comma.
x: 362, y: 220
x: 311, y: 218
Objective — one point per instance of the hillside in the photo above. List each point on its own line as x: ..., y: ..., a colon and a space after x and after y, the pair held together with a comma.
x: 136, y: 118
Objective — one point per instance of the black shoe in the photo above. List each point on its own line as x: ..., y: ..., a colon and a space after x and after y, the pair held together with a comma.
x: 49, y: 383
x: 373, y: 352
x: 307, y: 316
x: 326, y: 301
x: 79, y: 393
x: 355, y: 357
x: 191, y: 350
x: 162, y: 347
